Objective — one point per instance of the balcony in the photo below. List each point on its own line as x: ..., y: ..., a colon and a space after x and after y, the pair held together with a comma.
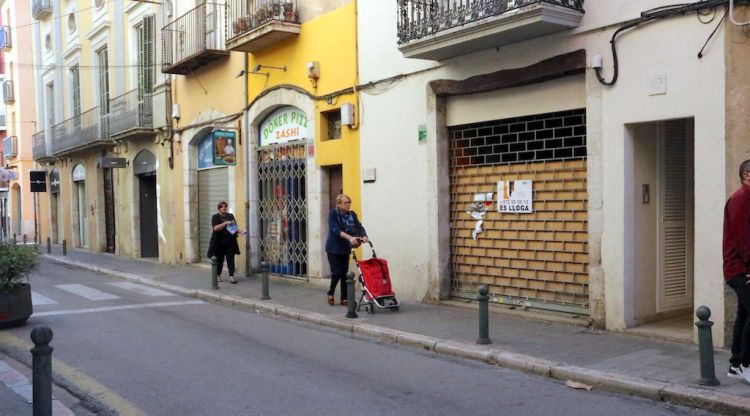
x: 131, y: 116
x: 10, y: 147
x: 9, y: 93
x: 442, y: 29
x: 41, y: 9
x: 87, y: 130
x: 256, y: 24
x: 6, y: 39
x: 193, y: 40
x: 39, y: 147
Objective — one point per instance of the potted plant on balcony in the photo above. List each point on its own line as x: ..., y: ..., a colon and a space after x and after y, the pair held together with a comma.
x: 289, y: 14
x: 239, y: 25
x: 16, y: 262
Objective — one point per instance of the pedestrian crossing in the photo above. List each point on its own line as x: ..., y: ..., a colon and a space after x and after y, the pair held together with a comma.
x: 95, y: 294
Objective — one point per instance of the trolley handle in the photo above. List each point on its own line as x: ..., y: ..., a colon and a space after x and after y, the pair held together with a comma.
x: 374, y: 255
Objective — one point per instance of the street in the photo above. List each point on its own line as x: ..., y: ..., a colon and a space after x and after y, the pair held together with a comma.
x: 156, y: 353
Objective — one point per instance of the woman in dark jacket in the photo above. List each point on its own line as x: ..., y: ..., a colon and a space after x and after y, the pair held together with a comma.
x: 224, y: 240
x: 344, y: 233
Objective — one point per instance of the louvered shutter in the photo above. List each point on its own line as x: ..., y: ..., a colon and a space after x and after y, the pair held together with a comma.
x: 675, y: 213
x: 146, y: 52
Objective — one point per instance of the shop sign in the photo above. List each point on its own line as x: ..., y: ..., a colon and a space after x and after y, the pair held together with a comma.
x: 284, y: 125
x: 225, y: 152
x: 515, y: 197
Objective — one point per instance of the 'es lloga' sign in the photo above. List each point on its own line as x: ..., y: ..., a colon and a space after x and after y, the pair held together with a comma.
x: 515, y: 197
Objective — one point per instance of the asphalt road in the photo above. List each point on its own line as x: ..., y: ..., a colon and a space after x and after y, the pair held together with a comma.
x: 133, y: 351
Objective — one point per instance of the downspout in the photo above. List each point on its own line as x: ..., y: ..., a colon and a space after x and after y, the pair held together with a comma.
x: 247, y: 163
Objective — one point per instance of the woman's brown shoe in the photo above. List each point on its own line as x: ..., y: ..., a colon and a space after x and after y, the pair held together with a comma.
x: 331, y: 300
x: 344, y: 302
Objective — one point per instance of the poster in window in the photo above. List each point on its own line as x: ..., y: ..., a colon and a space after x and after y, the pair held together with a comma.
x: 225, y: 150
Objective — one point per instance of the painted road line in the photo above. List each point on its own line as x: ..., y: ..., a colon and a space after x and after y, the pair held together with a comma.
x: 87, y: 292
x: 142, y: 289
x: 37, y: 299
x: 118, y: 308
x: 91, y: 388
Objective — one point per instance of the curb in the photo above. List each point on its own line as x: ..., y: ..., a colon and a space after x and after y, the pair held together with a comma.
x: 655, y: 390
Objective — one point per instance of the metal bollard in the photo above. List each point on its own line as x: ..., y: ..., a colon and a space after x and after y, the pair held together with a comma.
x: 214, y: 273
x: 24, y: 239
x: 49, y: 245
x: 264, y: 281
x: 706, y: 347
x: 65, y: 248
x: 351, y: 304
x: 484, y: 318
x: 15, y: 239
x: 41, y: 359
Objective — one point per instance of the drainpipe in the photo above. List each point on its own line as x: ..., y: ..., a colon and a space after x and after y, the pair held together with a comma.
x: 246, y: 129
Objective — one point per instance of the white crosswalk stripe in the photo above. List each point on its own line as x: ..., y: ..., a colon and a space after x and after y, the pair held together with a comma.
x: 37, y: 299
x: 142, y: 289
x: 87, y: 292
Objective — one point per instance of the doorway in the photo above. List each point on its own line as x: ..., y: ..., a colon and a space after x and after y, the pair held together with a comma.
x: 148, y: 215
x: 335, y: 184
x: 83, y: 224
x: 662, y: 227
x: 109, y: 209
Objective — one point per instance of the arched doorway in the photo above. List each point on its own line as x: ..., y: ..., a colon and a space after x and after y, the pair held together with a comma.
x: 80, y: 211
x: 55, y: 208
x: 213, y: 186
x: 282, y: 191
x: 144, y: 168
x: 16, y: 210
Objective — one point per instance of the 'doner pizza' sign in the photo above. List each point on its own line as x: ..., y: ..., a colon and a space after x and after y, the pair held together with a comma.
x: 284, y: 125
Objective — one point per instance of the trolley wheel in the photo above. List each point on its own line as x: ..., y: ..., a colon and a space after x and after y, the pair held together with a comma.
x: 372, y: 308
x: 394, y: 309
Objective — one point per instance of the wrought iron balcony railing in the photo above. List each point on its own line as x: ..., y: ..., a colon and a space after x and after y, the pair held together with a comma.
x: 131, y: 114
x: 82, y: 131
x: 193, y: 39
x: 39, y: 145
x: 418, y: 19
x: 41, y: 9
x: 243, y: 17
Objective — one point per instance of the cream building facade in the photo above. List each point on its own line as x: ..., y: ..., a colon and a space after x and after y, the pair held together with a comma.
x: 20, y: 204
x: 628, y: 177
x: 102, y: 128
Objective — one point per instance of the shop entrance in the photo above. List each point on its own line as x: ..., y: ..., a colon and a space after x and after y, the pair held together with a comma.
x: 144, y: 167
x: 662, y: 224
x: 80, y: 208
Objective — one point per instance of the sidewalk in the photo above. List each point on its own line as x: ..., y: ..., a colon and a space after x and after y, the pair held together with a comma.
x: 16, y: 393
x: 659, y: 370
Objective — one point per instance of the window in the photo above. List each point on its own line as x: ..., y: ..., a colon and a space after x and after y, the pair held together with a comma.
x: 50, y: 105
x: 75, y: 89
x: 102, y: 57
x: 145, y: 33
x: 331, y: 124
x: 72, y: 21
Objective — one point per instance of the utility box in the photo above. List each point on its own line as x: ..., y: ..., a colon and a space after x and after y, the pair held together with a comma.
x: 347, y: 114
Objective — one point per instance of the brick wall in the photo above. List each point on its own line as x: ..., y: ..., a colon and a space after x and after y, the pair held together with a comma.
x: 541, y: 256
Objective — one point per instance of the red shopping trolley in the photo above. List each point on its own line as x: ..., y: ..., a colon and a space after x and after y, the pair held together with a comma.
x: 376, y: 284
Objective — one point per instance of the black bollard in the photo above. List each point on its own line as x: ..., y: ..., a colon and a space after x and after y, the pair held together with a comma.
x: 15, y: 239
x: 264, y: 281
x: 41, y: 360
x: 24, y: 239
x: 214, y: 273
x: 65, y: 248
x: 49, y: 245
x: 706, y: 347
x: 484, y: 318
x: 351, y: 304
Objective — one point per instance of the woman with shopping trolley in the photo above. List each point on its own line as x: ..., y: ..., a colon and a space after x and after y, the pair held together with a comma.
x: 344, y: 233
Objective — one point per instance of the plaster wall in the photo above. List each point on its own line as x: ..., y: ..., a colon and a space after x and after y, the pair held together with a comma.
x: 392, y: 113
